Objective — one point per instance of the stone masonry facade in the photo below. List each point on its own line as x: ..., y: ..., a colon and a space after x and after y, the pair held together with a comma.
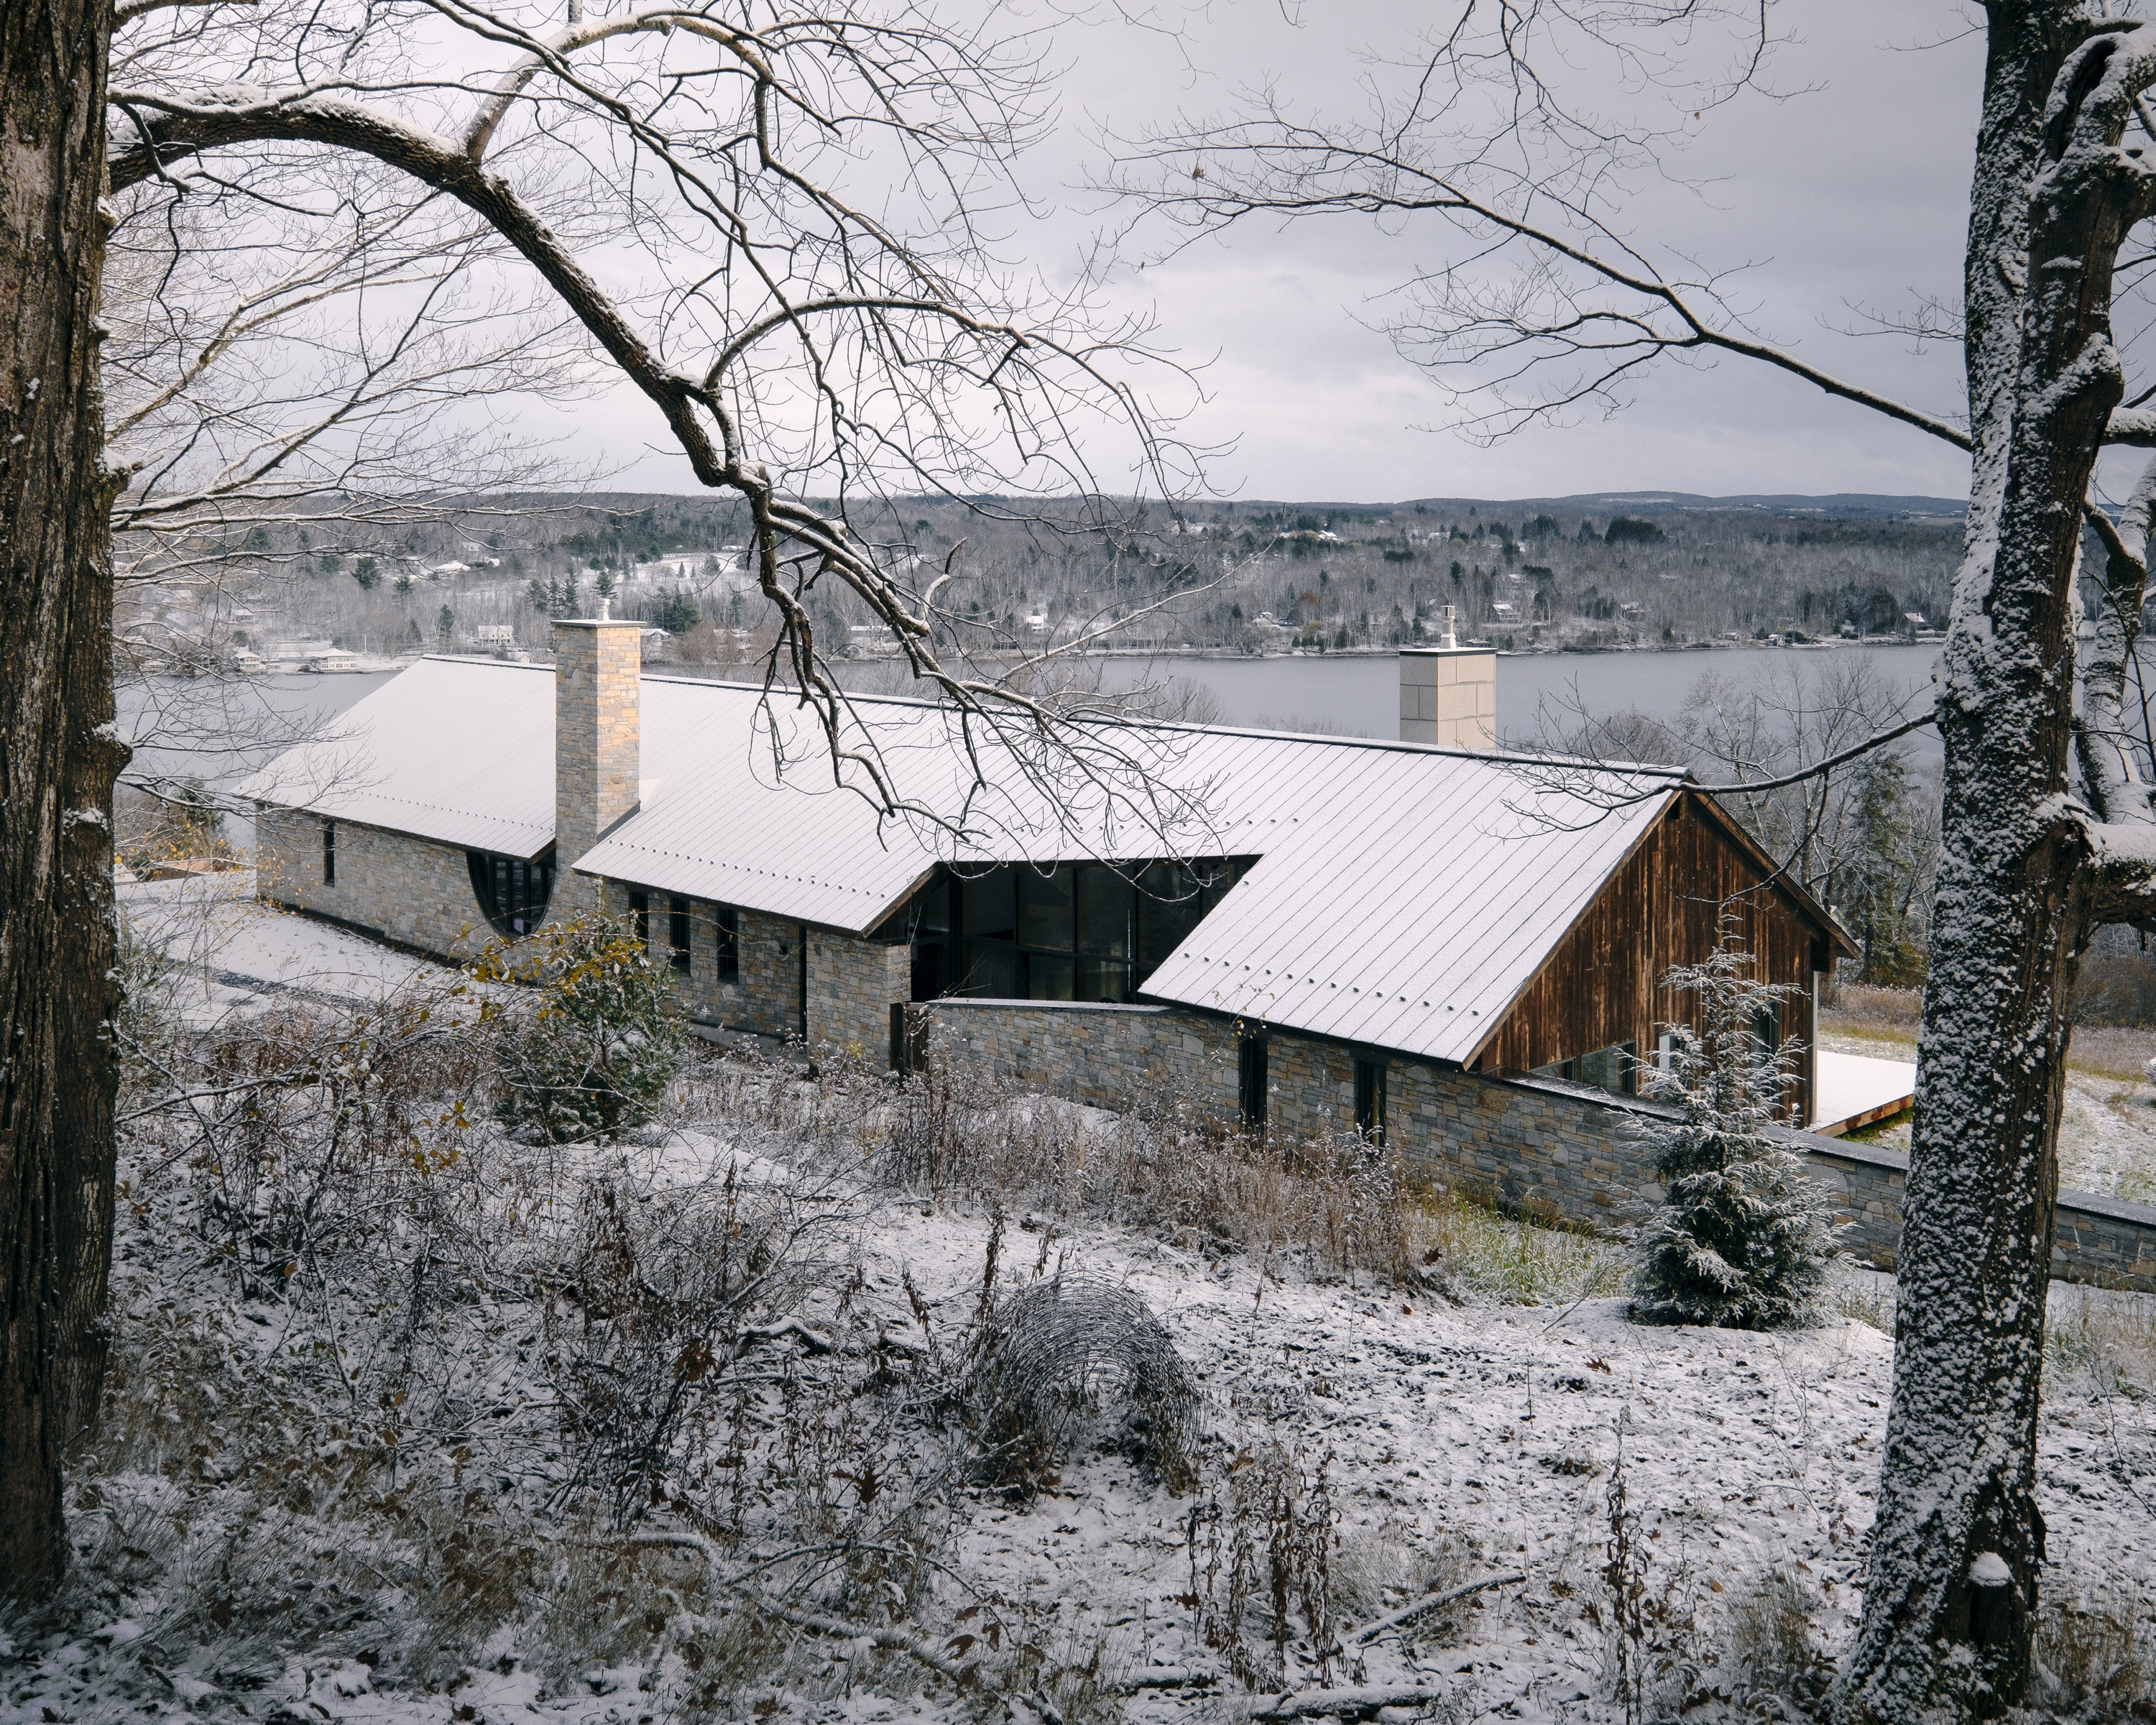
x: 1448, y: 696
x: 410, y: 890
x: 852, y: 983
x: 764, y: 996
x: 1563, y: 1154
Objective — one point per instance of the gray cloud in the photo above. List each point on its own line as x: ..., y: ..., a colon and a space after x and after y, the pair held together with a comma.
x: 1852, y: 191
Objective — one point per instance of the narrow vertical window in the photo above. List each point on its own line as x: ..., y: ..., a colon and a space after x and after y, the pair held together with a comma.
x: 639, y: 917
x: 1370, y: 1099
x: 329, y: 853
x: 1251, y: 1082
x: 725, y: 921
x: 677, y: 933
x: 1767, y: 1029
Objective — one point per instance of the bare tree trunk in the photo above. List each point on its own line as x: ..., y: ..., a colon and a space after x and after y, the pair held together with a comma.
x: 58, y: 754
x: 1950, y: 1600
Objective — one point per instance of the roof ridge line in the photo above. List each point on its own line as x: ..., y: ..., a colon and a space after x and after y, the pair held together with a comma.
x: 1495, y: 757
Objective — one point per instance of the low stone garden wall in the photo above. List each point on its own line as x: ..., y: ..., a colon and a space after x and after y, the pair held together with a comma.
x: 1567, y: 1155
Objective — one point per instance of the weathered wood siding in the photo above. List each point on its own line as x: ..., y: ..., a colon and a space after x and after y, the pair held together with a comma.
x: 1661, y: 908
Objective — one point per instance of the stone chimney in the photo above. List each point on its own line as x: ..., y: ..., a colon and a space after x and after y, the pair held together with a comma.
x: 1449, y: 693
x: 597, y: 665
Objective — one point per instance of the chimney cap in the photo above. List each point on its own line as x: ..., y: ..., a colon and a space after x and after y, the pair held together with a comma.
x: 601, y: 622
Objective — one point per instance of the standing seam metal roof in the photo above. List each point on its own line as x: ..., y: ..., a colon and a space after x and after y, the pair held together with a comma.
x: 1402, y: 897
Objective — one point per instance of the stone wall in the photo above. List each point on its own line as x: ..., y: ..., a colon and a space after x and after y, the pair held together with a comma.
x: 764, y: 997
x: 1106, y: 1057
x: 852, y: 982
x: 1559, y: 1153
x: 410, y: 890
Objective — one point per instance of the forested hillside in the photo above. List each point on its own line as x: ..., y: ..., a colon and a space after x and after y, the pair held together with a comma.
x: 1579, y: 573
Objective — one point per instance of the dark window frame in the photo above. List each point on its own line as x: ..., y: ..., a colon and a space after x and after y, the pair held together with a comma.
x: 329, y: 853
x: 513, y: 891
x: 1370, y: 1071
x: 679, y: 936
x: 976, y: 934
x: 639, y: 917
x: 1252, y: 1081
x: 726, y: 932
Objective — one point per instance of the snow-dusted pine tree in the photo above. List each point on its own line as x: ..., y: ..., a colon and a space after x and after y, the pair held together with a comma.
x: 1742, y: 1237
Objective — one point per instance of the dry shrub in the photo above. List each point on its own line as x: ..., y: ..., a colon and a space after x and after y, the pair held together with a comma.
x: 2116, y: 988
x: 184, y: 824
x: 2111, y: 1051
x: 1346, y: 1206
x: 2114, y: 1012
x: 1261, y: 1552
x: 2109, y: 1334
x: 1381, y: 1568
x: 2096, y: 1652
x: 1065, y: 1352
x: 1518, y: 1259
x: 1769, y: 1654
x: 1857, y: 1010
x: 657, y: 1297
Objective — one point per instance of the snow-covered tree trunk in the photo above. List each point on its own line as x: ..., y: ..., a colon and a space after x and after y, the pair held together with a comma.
x: 1950, y: 1599
x: 58, y: 758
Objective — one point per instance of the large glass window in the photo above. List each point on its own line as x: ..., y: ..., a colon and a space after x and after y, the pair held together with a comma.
x: 1088, y: 931
x: 511, y: 891
x: 1045, y: 900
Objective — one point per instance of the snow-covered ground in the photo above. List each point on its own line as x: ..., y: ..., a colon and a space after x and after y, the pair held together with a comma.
x: 1459, y: 1441
x: 1431, y: 1436
x: 239, y: 955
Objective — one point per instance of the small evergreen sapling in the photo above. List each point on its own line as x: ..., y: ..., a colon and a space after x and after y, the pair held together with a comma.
x: 1741, y: 1240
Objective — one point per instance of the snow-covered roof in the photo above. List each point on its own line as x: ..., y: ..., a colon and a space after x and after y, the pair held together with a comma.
x: 1404, y: 895
x: 458, y: 751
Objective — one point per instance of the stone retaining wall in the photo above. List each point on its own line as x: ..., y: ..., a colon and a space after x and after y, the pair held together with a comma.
x: 1563, y: 1153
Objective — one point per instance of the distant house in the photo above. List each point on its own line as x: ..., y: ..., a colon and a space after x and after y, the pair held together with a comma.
x: 494, y: 637
x: 1303, y: 922
x: 333, y: 659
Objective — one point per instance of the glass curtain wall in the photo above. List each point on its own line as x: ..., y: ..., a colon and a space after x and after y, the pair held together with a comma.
x: 1086, y: 931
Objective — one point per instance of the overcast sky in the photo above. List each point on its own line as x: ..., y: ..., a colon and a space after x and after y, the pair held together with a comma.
x: 1850, y: 190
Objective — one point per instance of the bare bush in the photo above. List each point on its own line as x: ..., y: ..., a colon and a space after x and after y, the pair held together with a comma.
x: 1378, y: 1570
x: 584, y: 1044
x: 1260, y: 1552
x: 1769, y: 1657
x: 1346, y: 1206
x: 2096, y: 1653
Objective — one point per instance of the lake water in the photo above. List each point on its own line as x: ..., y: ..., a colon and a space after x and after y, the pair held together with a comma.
x: 1360, y: 693
x: 1345, y: 693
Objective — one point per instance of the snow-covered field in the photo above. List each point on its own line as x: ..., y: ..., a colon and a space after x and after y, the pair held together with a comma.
x: 1458, y: 1441
x: 235, y: 955
x: 444, y: 1427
